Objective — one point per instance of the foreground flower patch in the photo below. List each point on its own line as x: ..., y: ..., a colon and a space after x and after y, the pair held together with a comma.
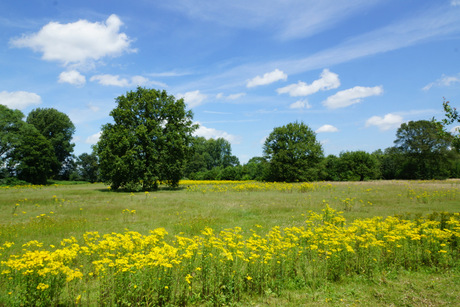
x: 222, y: 266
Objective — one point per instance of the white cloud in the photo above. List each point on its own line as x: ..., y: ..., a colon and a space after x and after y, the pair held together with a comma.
x: 327, y: 81
x: 443, y: 81
x: 211, y: 133
x: 72, y: 77
x: 267, y: 78
x: 77, y: 42
x: 387, y: 122
x: 116, y: 80
x: 110, y: 80
x: 455, y: 129
x: 93, y: 139
x: 19, y: 100
x: 351, y: 96
x: 327, y: 128
x: 231, y: 96
x: 193, y: 99
x: 93, y: 108
x: 300, y: 104
x: 455, y: 2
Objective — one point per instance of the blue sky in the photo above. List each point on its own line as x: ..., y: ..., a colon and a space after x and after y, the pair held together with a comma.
x: 353, y: 71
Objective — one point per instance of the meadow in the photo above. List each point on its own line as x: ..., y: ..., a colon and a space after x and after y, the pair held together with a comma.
x: 231, y: 243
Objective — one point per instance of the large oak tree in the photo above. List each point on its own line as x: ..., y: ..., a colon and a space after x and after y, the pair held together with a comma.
x: 293, y: 153
x: 147, y: 143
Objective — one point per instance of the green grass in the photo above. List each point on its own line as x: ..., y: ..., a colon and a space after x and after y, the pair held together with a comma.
x: 50, y: 213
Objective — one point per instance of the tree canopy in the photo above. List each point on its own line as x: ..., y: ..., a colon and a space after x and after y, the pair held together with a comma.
x: 58, y: 129
x: 293, y: 153
x: 148, y: 141
x: 24, y: 151
x: 424, y: 149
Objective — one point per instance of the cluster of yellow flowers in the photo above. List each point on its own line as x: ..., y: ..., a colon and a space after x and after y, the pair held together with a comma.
x: 250, y: 186
x: 26, y: 186
x: 157, y: 267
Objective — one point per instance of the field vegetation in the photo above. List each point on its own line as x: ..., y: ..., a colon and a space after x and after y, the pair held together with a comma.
x: 227, y: 243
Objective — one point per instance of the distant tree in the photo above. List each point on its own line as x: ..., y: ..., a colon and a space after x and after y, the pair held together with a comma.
x: 88, y: 167
x: 10, y: 136
x: 330, y: 168
x: 34, y: 157
x: 24, y: 152
x: 424, y: 149
x: 209, y: 154
x: 255, y: 169
x: 56, y: 127
x: 358, y: 165
x: 293, y: 153
x: 451, y: 117
x: 148, y: 142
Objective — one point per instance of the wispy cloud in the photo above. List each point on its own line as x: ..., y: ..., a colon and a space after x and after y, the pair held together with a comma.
x: 231, y: 96
x: 443, y: 81
x: 287, y: 19
x: 116, y: 80
x: 351, y: 96
x: 327, y: 81
x: 434, y: 23
x: 169, y: 74
x: 267, y: 78
x: 19, y: 100
x: 77, y: 42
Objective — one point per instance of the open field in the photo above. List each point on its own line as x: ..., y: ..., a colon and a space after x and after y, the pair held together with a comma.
x: 229, y: 243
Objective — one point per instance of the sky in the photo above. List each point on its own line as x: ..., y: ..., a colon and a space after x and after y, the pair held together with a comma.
x: 353, y: 71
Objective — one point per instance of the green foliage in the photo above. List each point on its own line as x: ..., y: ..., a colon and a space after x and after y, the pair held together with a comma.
x: 358, y: 165
x: 24, y: 152
x: 88, y: 167
x: 424, y: 150
x: 209, y: 154
x: 58, y: 129
x: 10, y: 125
x: 148, y: 141
x: 34, y: 157
x: 293, y: 153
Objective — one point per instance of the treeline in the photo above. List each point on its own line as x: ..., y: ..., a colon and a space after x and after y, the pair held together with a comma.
x: 151, y: 141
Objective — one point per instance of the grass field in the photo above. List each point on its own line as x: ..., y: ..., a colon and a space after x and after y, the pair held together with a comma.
x: 232, y: 243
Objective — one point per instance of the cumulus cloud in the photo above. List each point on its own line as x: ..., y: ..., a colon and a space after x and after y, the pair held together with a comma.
x: 19, y: 100
x: 77, y: 42
x: 267, y: 78
x: 443, y: 81
x: 72, y: 77
x: 351, y: 96
x: 300, y: 104
x: 387, y: 122
x: 116, y: 80
x: 193, y: 99
x: 327, y: 81
x: 211, y: 133
x: 327, y: 128
x: 93, y: 139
